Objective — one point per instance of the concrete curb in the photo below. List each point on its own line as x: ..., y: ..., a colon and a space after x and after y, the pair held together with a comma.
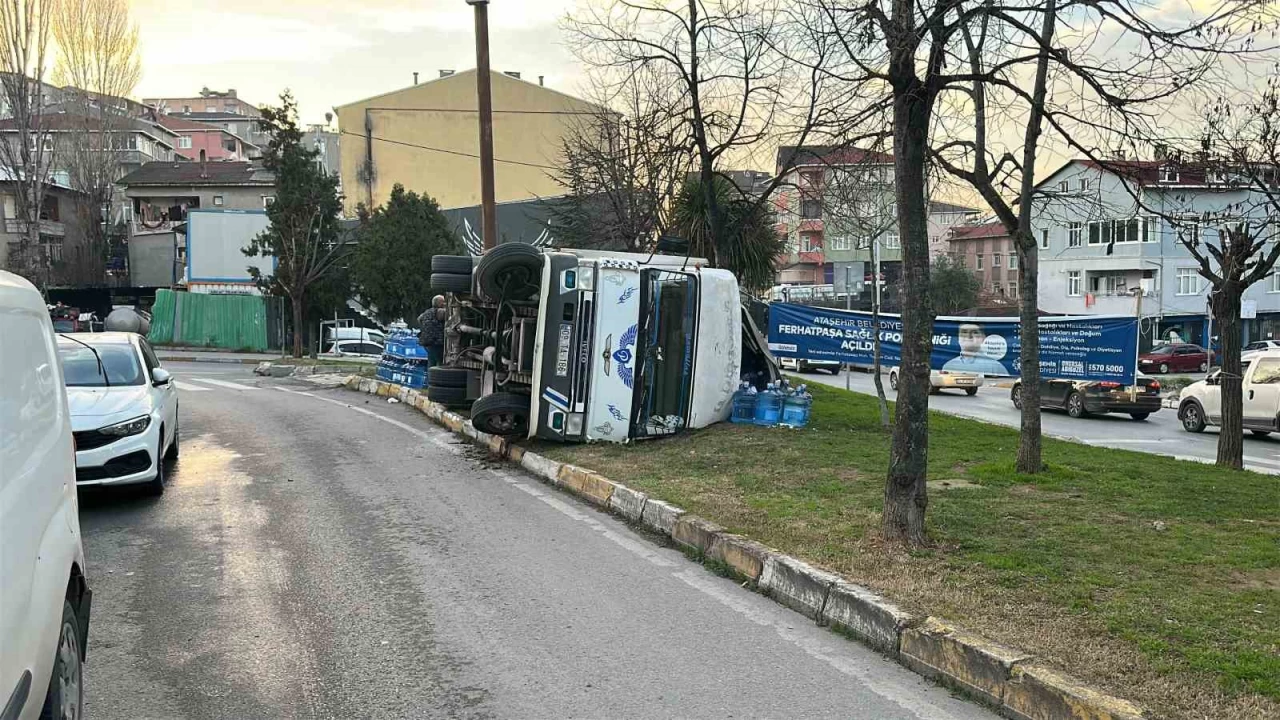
x: 1006, y: 679
x: 270, y: 369
x: 200, y: 359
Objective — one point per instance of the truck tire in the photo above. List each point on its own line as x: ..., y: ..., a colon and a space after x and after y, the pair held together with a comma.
x: 511, y: 271
x: 505, y: 414
x: 452, y: 264
x: 448, y: 396
x: 448, y: 377
x: 451, y: 282
x: 1192, y: 416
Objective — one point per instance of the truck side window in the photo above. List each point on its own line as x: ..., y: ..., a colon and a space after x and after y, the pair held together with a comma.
x: 1267, y: 372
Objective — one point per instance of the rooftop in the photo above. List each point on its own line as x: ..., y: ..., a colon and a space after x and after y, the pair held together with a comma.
x: 188, y: 174
x: 974, y: 232
x: 791, y: 155
x: 937, y: 207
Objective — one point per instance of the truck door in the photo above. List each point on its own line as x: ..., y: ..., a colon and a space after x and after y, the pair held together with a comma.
x: 1262, y: 395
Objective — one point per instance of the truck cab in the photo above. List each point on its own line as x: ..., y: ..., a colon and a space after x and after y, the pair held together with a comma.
x: 1201, y: 402
x: 594, y: 346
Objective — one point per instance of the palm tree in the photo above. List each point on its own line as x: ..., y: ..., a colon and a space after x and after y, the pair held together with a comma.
x: 750, y: 245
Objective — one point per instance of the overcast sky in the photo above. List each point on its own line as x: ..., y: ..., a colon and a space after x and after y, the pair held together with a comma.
x: 332, y: 53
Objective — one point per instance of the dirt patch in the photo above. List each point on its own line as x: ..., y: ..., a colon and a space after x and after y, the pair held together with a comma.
x: 1265, y: 579
x: 952, y: 484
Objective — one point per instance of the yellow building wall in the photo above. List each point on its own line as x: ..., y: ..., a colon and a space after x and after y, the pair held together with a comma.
x: 441, y: 114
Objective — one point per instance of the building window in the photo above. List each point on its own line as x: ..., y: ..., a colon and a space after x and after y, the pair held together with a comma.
x: 1084, y: 183
x: 843, y: 242
x: 1274, y: 287
x: 1149, y: 229
x: 1073, y: 283
x: 996, y: 289
x: 186, y: 108
x: 1044, y: 239
x: 1013, y: 261
x: 892, y: 242
x: 1073, y: 234
x: 1064, y: 186
x: 1169, y: 174
x: 184, y: 142
x: 1108, y: 284
x: 1188, y: 281
x: 47, y: 143
x: 809, y: 242
x: 1095, y: 233
x: 978, y: 263
x: 1189, y: 230
x: 995, y: 261
x: 1013, y: 289
x: 217, y: 200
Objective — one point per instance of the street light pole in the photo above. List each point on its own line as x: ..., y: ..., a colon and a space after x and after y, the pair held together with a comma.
x: 488, y: 211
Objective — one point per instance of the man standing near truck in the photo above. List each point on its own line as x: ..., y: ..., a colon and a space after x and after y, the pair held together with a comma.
x: 431, y: 335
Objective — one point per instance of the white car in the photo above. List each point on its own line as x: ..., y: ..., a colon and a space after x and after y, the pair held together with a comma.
x: 1254, y: 348
x: 44, y: 597
x: 355, y: 349
x: 944, y: 380
x: 801, y: 365
x: 1200, y: 403
x: 124, y: 409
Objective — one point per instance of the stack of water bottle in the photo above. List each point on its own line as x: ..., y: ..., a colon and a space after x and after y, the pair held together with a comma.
x: 778, y: 404
x: 404, y: 360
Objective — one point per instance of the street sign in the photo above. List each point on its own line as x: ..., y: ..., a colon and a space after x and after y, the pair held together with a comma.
x: 1248, y: 309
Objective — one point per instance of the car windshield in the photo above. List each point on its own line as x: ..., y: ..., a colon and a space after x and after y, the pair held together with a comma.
x: 80, y: 367
x: 1162, y: 350
x: 666, y: 351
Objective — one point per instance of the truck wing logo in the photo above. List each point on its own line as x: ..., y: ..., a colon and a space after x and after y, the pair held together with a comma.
x: 608, y: 355
x: 623, y: 355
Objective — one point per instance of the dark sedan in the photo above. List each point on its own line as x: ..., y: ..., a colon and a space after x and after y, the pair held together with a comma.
x: 1085, y: 397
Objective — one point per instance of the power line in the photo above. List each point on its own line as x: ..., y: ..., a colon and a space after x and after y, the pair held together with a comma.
x: 495, y: 111
x: 442, y: 150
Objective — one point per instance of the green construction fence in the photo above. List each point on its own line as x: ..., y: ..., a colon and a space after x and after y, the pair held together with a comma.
x: 230, y: 322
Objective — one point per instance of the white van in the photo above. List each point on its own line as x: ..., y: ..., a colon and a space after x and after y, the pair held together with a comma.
x: 354, y: 333
x: 44, y: 599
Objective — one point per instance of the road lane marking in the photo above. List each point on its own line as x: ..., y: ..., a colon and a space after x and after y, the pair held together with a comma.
x: 189, y: 387
x: 223, y: 383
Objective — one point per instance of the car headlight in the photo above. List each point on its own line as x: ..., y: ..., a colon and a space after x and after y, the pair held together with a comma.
x: 135, y: 426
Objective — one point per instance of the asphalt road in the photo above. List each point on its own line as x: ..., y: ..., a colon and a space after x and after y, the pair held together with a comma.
x: 323, y: 554
x: 1160, y: 434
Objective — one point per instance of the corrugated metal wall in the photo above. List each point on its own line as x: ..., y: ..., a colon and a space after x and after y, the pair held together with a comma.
x: 230, y: 322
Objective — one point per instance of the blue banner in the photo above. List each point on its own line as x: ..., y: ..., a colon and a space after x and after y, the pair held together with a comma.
x: 1078, y: 348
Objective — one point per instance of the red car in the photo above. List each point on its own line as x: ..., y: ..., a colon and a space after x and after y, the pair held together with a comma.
x: 1175, y: 357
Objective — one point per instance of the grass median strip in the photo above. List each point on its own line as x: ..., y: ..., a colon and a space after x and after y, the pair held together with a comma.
x: 1159, y: 580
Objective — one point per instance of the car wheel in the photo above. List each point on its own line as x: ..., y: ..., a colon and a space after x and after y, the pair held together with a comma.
x: 1075, y: 405
x: 65, y: 696
x: 448, y: 396
x: 1204, y: 367
x: 1261, y: 433
x: 1016, y: 396
x: 511, y: 271
x: 451, y: 283
x: 173, y: 444
x: 893, y: 381
x: 448, y: 377
x: 934, y: 389
x: 971, y: 391
x: 834, y: 371
x: 1164, y: 368
x: 156, y: 485
x: 505, y: 414
x: 1139, y: 416
x: 452, y: 264
x: 1192, y: 417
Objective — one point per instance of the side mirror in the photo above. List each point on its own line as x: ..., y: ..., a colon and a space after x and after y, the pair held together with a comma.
x: 160, y: 377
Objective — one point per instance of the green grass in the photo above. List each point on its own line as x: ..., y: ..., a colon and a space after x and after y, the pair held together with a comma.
x: 1156, y: 578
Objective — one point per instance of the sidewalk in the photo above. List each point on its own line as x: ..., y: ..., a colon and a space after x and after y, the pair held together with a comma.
x: 180, y: 354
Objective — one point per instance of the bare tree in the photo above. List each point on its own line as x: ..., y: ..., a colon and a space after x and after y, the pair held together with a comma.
x: 99, y: 64
x: 620, y: 167
x: 725, y: 62
x: 26, y: 154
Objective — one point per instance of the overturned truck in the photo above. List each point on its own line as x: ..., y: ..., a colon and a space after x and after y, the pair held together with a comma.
x: 580, y: 346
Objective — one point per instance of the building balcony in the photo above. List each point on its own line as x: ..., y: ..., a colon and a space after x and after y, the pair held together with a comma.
x: 137, y: 227
x: 810, y: 225
x: 812, y: 257
x: 14, y: 226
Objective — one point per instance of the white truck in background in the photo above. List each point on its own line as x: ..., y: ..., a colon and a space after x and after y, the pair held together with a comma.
x: 1200, y: 403
x: 581, y: 346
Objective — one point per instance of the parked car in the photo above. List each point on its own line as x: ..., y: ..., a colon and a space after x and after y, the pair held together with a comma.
x: 1201, y: 402
x: 354, y: 333
x: 124, y: 409
x: 356, y: 349
x: 1175, y: 357
x: 944, y: 380
x: 800, y: 365
x: 1254, y: 349
x: 44, y: 598
x: 1090, y: 397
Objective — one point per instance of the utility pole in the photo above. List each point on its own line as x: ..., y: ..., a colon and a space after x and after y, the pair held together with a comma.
x: 1133, y: 389
x: 488, y: 211
x: 848, y: 305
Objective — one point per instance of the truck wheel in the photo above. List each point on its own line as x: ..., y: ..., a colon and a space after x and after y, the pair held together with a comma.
x: 504, y: 414
x: 450, y: 282
x: 448, y: 396
x: 452, y: 264
x: 64, y: 700
x: 511, y: 271
x: 1192, y: 416
x: 1075, y: 405
x: 448, y: 377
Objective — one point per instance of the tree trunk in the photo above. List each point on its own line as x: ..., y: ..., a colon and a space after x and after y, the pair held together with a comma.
x: 1225, y: 305
x: 1029, y: 441
x: 297, y: 325
x: 875, y: 358
x: 905, y: 496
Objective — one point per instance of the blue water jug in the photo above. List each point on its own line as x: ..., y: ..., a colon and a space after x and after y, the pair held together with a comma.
x: 795, y: 409
x: 744, y: 404
x: 769, y: 406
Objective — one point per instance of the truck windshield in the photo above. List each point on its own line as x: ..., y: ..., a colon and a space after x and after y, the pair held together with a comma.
x: 665, y: 346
